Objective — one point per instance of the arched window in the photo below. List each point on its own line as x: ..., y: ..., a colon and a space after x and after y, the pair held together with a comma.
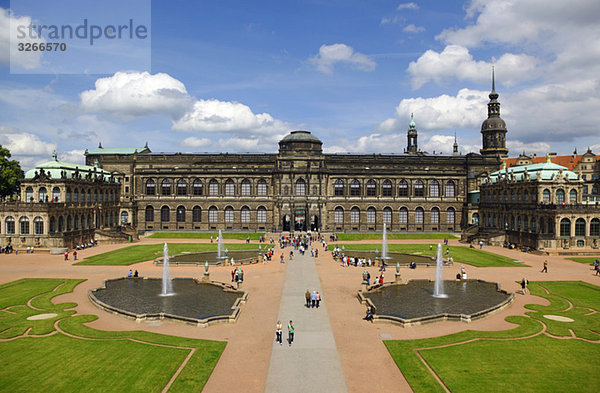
x: 245, y: 191
x: 595, y: 227
x: 61, y: 224
x: 82, y: 221
x: 533, y: 225
x: 165, y: 214
x: 124, y: 218
x: 56, y: 194
x: 180, y: 214
x: 371, y: 214
x: 89, y: 195
x: 95, y: 196
x: 300, y: 187
x: 165, y: 187
x: 419, y: 215
x: 505, y: 197
x: 29, y: 194
x: 355, y: 215
x: 24, y: 226
x: 76, y: 222
x: 149, y: 213
x: 245, y: 214
x: 355, y: 188
x: 475, y: 219
x: 197, y: 187
x: 560, y: 196
x: 371, y: 188
x: 573, y: 196
x: 261, y: 188
x: 52, y: 226
x: 526, y: 224
x: 76, y: 195
x: 89, y: 221
x: 512, y: 222
x: 434, y: 189
x: 518, y: 223
x: 82, y: 196
x: 565, y: 227
x: 403, y: 188
x: 229, y: 214
x: 403, y: 215
x: 386, y: 189
x: 542, y: 225
x: 551, y: 225
x: 526, y: 196
x: 181, y: 187
x: 213, y: 188
x: 68, y: 198
x: 213, y: 214
x: 196, y: 214
x: 580, y: 227
x: 419, y: 189
x: 229, y: 188
x: 387, y: 215
x: 338, y: 187
x: 9, y: 225
x: 546, y: 196
x: 261, y: 214
x: 43, y: 194
x: 435, y: 215
x: 519, y: 195
x: 450, y: 216
x: 338, y: 215
x: 450, y: 189
x: 512, y: 196
x: 69, y: 223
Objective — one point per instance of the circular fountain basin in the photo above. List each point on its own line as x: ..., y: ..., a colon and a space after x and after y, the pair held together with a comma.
x: 413, y: 303
x: 200, y: 258
x: 393, y: 257
x: 193, y: 302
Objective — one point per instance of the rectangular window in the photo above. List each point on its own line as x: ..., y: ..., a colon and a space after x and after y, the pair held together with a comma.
x: 229, y: 215
x: 403, y: 216
x: 371, y: 213
x: 419, y: 216
x: 355, y: 216
x: 245, y: 189
x: 300, y: 189
x: 435, y: 217
x: 245, y: 216
x: 450, y: 217
x: 387, y: 216
x: 262, y: 189
x: 229, y: 189
x: 262, y: 215
x: 213, y: 215
x: 338, y: 216
x: 213, y: 188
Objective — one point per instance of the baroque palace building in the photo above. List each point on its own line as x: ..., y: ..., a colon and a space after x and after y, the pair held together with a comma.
x: 302, y: 188
x: 60, y: 205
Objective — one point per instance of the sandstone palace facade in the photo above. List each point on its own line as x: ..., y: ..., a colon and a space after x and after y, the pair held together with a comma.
x: 302, y: 188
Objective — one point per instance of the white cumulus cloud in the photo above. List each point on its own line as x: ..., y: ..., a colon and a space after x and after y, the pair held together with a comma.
x: 9, y: 53
x: 413, y: 29
x: 455, y: 61
x: 21, y: 143
x: 224, y: 116
x: 192, y: 141
x: 330, y: 55
x: 133, y: 94
x: 407, y: 6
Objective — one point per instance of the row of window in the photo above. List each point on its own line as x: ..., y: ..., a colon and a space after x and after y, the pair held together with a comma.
x: 75, y: 196
x: 387, y: 190
x: 55, y: 225
x: 181, y: 215
x: 512, y: 196
x: 197, y: 187
x: 419, y: 214
x: 527, y: 224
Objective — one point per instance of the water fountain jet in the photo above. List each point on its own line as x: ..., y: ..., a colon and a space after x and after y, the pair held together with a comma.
x: 438, y: 288
x: 167, y: 285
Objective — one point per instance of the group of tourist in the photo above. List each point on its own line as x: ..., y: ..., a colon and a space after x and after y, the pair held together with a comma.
x: 82, y: 246
x: 279, y: 332
x: 462, y: 275
x: 29, y: 250
x: 357, y: 262
x: 313, y: 299
x: 132, y: 274
x: 237, y: 275
x: 7, y: 250
x: 597, y: 266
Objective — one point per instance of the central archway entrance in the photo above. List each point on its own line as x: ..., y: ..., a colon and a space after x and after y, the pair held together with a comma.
x: 286, y: 223
x: 300, y: 219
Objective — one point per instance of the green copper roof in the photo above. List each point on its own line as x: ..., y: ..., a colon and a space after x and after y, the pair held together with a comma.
x: 119, y: 150
x: 546, y: 170
x: 54, y: 168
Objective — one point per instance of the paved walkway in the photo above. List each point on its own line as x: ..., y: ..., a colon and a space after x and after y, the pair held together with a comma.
x: 311, y: 363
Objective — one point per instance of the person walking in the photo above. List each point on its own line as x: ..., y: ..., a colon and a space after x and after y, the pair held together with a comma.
x: 524, y: 283
x: 545, y: 269
x: 313, y: 299
x: 74, y: 255
x: 318, y: 299
x: 307, y: 296
x: 279, y: 332
x: 291, y: 330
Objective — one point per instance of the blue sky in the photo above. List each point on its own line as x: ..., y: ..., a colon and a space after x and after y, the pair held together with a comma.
x: 236, y: 76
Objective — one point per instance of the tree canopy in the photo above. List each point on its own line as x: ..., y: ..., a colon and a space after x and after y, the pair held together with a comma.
x: 10, y: 173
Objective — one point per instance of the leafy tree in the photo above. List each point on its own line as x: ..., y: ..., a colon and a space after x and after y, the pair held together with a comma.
x: 10, y: 173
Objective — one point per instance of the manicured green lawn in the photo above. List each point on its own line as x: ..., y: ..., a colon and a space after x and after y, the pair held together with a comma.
x: 207, y: 235
x: 141, y: 253
x: 377, y: 236
x: 469, y: 256
x: 538, y: 363
x: 586, y: 260
x: 115, y: 361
